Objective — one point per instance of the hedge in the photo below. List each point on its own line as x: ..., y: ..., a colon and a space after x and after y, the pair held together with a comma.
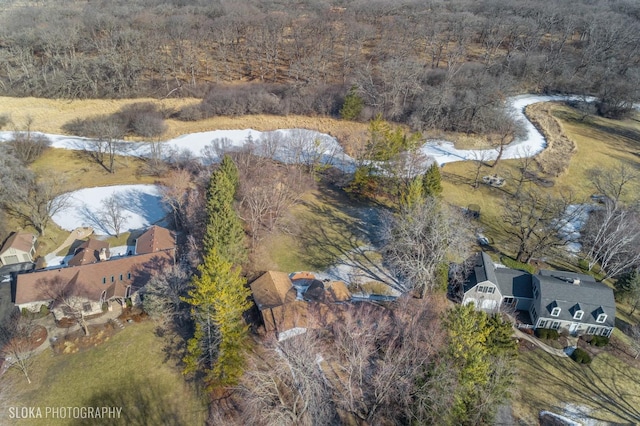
x: 547, y: 333
x: 581, y: 356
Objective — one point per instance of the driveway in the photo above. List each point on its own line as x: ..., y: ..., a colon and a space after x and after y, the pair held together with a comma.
x: 6, y: 307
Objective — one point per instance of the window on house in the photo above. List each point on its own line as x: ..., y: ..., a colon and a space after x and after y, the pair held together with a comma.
x: 480, y: 289
x: 112, y: 278
x: 555, y: 325
x: 86, y: 307
x: 508, y: 300
x: 535, y: 292
x: 591, y: 330
x: 129, y: 276
x: 120, y: 277
x: 542, y: 324
x: 491, y: 290
x: 104, y: 280
x: 534, y: 314
x: 555, y: 312
x: 578, y: 315
x: 601, y: 318
x: 607, y: 332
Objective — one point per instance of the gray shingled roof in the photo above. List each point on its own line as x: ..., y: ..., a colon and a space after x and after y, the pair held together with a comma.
x: 514, y: 283
x: 557, y: 289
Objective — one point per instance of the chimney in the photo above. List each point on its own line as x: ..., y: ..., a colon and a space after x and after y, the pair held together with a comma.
x: 103, y: 254
x: 576, y: 281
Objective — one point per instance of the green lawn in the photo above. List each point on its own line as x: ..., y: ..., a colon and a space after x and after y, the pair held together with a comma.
x: 320, y: 230
x: 608, y: 388
x: 129, y: 371
x: 601, y: 143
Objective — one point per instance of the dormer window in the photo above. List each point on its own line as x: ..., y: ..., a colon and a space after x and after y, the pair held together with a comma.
x: 555, y: 312
x: 601, y: 318
x: 578, y: 315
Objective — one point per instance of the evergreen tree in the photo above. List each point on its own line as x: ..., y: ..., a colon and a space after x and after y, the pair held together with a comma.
x: 432, y: 181
x: 482, y: 351
x: 218, y: 299
x: 413, y: 195
x: 352, y: 106
x: 224, y: 228
x: 230, y: 170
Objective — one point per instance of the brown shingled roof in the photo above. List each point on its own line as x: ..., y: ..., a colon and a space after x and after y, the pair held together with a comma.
x: 155, y: 239
x: 273, y: 289
x: 89, y: 252
x: 91, y: 280
x: 22, y: 241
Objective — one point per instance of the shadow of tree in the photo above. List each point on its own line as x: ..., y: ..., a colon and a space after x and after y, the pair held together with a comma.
x: 142, y: 403
x: 346, y: 237
x: 607, y: 387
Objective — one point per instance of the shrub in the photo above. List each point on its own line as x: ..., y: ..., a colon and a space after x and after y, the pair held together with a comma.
x: 581, y: 356
x: 352, y: 106
x: 514, y: 264
x: 583, y: 264
x: 129, y: 302
x: 547, y: 334
x: 105, y: 307
x: 599, y: 341
x: 44, y: 310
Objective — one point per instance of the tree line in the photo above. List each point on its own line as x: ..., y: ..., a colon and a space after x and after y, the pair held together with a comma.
x: 441, y: 64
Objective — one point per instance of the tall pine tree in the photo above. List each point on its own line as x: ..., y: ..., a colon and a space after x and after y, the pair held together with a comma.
x: 224, y: 228
x: 218, y: 299
x: 432, y: 181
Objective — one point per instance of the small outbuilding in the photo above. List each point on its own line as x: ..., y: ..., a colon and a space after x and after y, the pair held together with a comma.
x: 19, y: 248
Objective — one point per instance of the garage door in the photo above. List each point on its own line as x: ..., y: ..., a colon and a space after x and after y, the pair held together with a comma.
x: 10, y: 260
x: 489, y: 305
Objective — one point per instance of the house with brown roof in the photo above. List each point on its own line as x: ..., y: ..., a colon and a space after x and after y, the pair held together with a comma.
x: 301, y: 303
x: 155, y: 239
x: 19, y: 248
x: 91, y: 251
x: 90, y: 283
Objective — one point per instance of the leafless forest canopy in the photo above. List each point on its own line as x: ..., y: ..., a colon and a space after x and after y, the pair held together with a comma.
x: 435, y: 63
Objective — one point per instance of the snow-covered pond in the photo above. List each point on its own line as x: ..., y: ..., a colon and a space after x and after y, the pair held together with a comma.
x: 303, y: 146
x: 142, y: 207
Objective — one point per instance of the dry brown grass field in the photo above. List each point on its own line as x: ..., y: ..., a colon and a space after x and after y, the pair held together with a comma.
x: 49, y: 115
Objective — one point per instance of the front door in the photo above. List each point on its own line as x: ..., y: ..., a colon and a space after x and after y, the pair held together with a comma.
x: 573, y: 328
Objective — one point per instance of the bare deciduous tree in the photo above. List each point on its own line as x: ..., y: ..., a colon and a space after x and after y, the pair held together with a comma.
x: 422, y: 239
x: 536, y: 222
x: 175, y: 194
x: 30, y: 198
x: 164, y: 292
x: 611, y: 239
x: 16, y: 346
x: 613, y: 184
x: 113, y: 213
x: 27, y: 145
x: 69, y: 298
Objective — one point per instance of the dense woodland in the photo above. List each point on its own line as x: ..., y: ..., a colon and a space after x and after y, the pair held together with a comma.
x: 435, y: 64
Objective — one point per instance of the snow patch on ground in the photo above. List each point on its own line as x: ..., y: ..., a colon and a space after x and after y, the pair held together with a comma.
x: 143, y: 208
x: 580, y: 413
x: 578, y: 215
x: 305, y: 146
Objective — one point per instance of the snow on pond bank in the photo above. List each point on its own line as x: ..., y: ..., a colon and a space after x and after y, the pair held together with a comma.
x: 305, y: 146
x: 142, y: 207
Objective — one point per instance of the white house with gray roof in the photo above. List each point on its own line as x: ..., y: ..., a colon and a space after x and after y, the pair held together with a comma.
x: 558, y: 300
